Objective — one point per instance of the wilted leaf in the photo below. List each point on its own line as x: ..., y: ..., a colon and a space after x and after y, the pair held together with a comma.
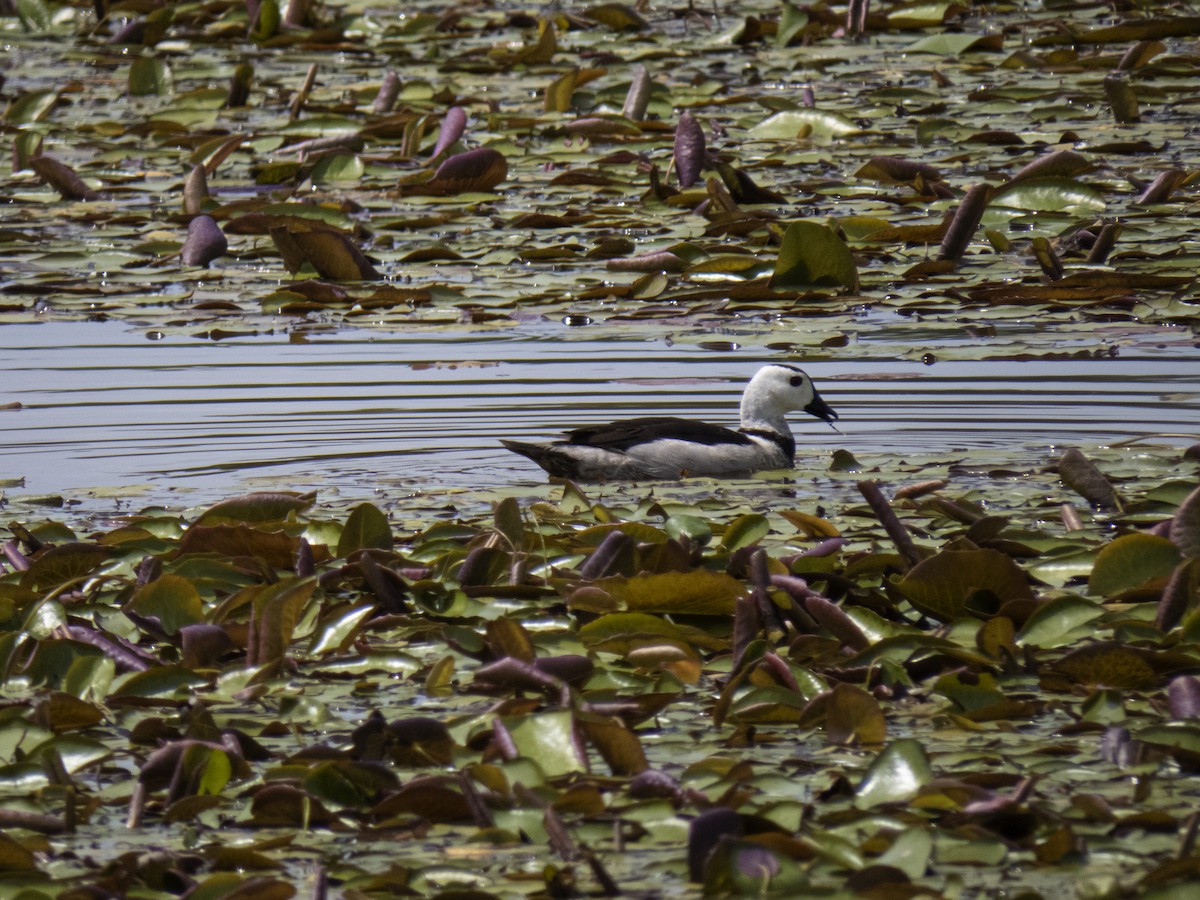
x: 473, y: 171
x: 332, y: 254
x: 62, y: 178
x: 689, y: 150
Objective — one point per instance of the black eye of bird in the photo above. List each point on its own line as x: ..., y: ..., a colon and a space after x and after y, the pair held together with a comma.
x: 797, y: 380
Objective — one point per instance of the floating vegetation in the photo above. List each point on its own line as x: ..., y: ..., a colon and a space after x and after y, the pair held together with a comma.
x: 929, y: 690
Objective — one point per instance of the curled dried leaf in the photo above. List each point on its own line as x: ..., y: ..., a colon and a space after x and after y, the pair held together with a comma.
x: 62, y: 178
x: 1080, y: 475
x: 689, y: 150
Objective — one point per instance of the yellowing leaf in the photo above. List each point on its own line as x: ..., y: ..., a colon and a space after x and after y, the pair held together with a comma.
x: 1130, y: 561
x: 1049, y: 194
x: 1108, y: 664
x: 803, y: 124
x: 699, y: 592
x: 957, y: 583
x: 812, y: 255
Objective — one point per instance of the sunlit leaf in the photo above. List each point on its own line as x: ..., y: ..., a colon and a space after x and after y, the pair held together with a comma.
x: 1058, y: 621
x: 896, y: 776
x: 811, y: 254
x: 1130, y: 561
x: 251, y: 508
x: 549, y: 740
x: 338, y: 167
x: 1049, y: 193
x: 366, y: 527
x: 952, y: 44
x: 276, y: 610
x: 803, y: 124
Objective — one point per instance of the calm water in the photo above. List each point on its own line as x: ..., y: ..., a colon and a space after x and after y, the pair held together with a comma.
x: 104, y: 406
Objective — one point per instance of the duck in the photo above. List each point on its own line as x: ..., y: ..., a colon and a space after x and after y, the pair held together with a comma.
x: 669, y: 448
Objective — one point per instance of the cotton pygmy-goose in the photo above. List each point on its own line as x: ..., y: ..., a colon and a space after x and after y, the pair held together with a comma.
x: 655, y: 447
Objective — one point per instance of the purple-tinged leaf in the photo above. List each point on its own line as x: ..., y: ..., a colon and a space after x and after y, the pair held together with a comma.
x: 205, y: 242
x: 689, y: 150
x: 614, y: 556
x: 660, y: 261
x: 62, y: 178
x: 1059, y: 164
x: 203, y: 645
x: 18, y: 560
x: 454, y: 123
x: 389, y: 90
x: 834, y: 619
x: 1183, y: 697
x: 474, y: 171
x: 1162, y: 187
x: 965, y: 222
x: 1179, y: 595
x: 1104, y: 243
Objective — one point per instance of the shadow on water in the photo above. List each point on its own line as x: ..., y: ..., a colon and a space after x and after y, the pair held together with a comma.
x: 104, y: 406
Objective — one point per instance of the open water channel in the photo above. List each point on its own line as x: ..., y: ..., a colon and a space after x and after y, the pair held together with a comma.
x: 106, y: 407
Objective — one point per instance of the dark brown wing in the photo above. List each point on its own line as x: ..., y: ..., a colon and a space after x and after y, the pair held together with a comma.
x: 631, y: 432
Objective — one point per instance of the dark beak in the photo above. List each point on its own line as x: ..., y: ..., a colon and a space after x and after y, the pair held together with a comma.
x: 820, y: 409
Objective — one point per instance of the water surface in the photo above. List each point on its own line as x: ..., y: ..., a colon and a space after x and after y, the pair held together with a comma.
x: 103, y: 405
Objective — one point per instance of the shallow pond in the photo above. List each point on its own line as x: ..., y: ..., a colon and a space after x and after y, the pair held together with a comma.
x: 186, y: 421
